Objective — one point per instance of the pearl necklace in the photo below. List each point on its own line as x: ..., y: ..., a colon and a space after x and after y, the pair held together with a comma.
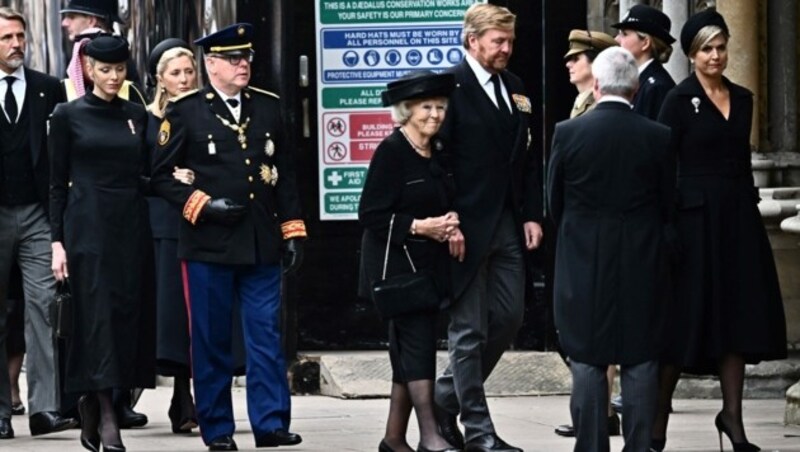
x: 425, y: 152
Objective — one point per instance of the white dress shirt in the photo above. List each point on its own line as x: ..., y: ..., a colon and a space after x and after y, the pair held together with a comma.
x: 18, y: 88
x: 484, y: 79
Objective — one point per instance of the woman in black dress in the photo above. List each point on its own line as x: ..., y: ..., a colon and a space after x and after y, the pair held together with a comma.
x: 101, y: 241
x: 728, y: 309
x: 173, y: 68
x: 409, y: 184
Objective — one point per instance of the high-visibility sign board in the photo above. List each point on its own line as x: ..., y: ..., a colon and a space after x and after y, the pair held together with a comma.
x: 361, y: 46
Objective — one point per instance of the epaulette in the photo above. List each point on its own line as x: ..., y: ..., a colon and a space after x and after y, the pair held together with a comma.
x: 184, y: 95
x: 263, y: 91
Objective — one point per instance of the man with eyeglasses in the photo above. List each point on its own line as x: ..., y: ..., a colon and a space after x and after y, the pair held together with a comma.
x: 243, y: 229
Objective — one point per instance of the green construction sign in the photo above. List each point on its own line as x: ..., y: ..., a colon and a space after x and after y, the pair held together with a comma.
x: 346, y: 178
x: 352, y: 97
x: 342, y: 203
x: 396, y: 11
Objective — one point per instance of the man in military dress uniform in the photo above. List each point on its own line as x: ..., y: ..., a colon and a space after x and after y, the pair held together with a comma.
x: 242, y: 217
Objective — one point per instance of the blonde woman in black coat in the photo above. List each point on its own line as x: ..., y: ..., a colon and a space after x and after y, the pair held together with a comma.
x: 727, y: 309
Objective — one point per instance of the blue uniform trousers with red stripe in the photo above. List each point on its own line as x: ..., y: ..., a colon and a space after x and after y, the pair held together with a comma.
x: 212, y: 289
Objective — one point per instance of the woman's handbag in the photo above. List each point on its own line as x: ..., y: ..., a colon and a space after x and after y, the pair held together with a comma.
x: 408, y: 293
x: 62, y: 306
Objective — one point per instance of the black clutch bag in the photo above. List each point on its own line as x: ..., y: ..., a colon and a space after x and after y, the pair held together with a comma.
x: 62, y: 310
x: 407, y: 293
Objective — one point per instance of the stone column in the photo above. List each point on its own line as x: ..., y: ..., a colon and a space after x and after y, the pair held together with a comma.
x: 625, y: 5
x: 783, y: 76
x: 743, y: 63
x: 678, y: 12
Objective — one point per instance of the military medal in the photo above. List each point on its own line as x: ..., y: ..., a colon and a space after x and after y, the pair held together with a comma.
x: 212, y: 148
x: 269, y: 147
x: 265, y: 172
x: 240, y: 129
x: 274, y: 179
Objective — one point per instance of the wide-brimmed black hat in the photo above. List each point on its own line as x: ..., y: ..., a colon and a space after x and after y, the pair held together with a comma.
x: 106, y: 9
x: 232, y: 40
x: 108, y: 49
x: 647, y: 20
x: 418, y: 85
x: 158, y: 52
x: 696, y: 23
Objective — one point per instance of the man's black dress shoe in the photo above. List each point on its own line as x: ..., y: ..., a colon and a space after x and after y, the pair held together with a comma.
x: 49, y: 422
x: 489, y: 442
x: 127, y: 418
x: 277, y: 438
x: 223, y: 443
x: 566, y: 430
x: 6, y: 432
x: 448, y: 427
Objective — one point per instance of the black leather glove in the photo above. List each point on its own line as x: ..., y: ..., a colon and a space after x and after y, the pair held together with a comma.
x: 223, y: 211
x: 292, y: 256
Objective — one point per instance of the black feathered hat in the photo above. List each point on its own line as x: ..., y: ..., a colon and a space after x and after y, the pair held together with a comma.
x: 108, y: 49
x: 418, y: 85
x: 696, y: 23
x: 158, y: 52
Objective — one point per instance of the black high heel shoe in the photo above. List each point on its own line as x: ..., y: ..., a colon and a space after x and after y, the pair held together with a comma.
x: 737, y: 447
x: 384, y: 447
x: 182, y: 419
x: 657, y: 445
x: 89, y: 411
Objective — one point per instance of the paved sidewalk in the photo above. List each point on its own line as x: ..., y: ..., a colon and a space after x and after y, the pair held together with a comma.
x: 330, y: 424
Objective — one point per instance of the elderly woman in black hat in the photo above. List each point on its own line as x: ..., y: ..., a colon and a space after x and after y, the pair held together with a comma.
x: 101, y: 241
x: 645, y: 33
x: 173, y: 71
x: 406, y: 205
x: 727, y: 309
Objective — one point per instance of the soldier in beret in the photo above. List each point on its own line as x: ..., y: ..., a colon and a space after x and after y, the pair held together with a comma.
x: 727, y: 310
x: 101, y: 241
x: 584, y: 45
x: 242, y: 223
x: 645, y: 33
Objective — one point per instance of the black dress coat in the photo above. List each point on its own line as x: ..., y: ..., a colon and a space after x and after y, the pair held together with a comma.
x: 402, y: 183
x: 610, y: 192
x: 42, y: 94
x: 97, y: 209
x: 193, y: 135
x: 727, y: 293
x: 492, y: 164
x: 654, y: 84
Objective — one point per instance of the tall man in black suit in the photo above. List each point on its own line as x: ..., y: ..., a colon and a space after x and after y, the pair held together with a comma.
x: 498, y: 200
x: 610, y: 191
x: 28, y: 97
x: 243, y: 222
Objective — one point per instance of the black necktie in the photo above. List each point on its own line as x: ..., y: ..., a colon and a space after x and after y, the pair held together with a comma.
x: 11, y: 101
x: 233, y: 102
x: 498, y: 94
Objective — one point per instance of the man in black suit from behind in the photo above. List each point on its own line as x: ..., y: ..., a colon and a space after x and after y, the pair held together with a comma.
x: 28, y: 97
x: 610, y: 186
x: 498, y: 199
